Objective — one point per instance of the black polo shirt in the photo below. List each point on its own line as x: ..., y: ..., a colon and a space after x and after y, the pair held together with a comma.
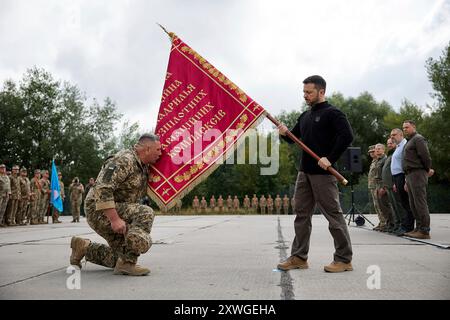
x: 326, y: 131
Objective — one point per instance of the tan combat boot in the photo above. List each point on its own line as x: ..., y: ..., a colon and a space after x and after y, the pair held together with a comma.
x: 337, y: 266
x: 419, y: 235
x: 79, y: 248
x: 130, y: 269
x: 293, y: 262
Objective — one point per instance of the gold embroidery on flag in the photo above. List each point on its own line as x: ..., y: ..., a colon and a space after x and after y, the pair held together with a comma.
x: 216, y: 73
x: 154, y: 178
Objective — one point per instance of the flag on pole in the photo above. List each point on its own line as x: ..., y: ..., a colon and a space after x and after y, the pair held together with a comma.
x: 55, y: 195
x: 202, y: 118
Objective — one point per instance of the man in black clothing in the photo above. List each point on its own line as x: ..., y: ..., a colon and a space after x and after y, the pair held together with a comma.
x: 327, y: 132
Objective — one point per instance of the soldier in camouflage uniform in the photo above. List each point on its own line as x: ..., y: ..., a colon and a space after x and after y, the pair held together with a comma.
x: 113, y: 210
x: 203, y: 204
x: 13, y: 204
x: 212, y: 203
x: 255, y: 203
x: 286, y: 204
x: 55, y: 213
x: 229, y: 203
x: 35, y: 196
x: 24, y: 197
x: 76, y: 191
x: 278, y: 204
x: 262, y: 204
x: 383, y: 199
x: 44, y: 203
x: 372, y: 188
x: 236, y: 204
x: 246, y: 204
x: 5, y: 191
x: 220, y: 203
x: 195, y: 204
x: 269, y: 204
x: 178, y: 206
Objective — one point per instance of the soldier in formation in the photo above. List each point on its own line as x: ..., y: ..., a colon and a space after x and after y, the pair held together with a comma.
x: 278, y: 202
x: 5, y: 192
x: 24, y: 197
x: 246, y: 204
x: 13, y: 203
x: 269, y: 204
x: 286, y: 204
x: 76, y: 190
x: 262, y: 204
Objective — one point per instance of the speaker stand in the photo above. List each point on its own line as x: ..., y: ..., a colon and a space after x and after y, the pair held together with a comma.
x: 353, y: 210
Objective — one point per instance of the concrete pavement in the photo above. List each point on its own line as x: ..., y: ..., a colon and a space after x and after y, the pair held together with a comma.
x: 227, y: 257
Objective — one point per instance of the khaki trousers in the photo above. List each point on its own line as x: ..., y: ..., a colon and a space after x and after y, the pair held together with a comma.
x: 417, y: 182
x: 320, y: 190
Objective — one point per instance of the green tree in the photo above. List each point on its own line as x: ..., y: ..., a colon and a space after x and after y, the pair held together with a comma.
x: 436, y: 127
x: 43, y: 119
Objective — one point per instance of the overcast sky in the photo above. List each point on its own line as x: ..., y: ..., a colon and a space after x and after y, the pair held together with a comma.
x: 115, y: 49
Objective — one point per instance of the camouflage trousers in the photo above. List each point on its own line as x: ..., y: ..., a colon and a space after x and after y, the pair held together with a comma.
x: 34, y: 210
x: 376, y: 205
x: 43, y: 207
x: 128, y: 247
x: 22, y: 210
x: 75, y: 209
x: 11, y: 211
x: 3, y: 204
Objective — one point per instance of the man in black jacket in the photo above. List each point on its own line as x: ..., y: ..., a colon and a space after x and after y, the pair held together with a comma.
x: 327, y: 132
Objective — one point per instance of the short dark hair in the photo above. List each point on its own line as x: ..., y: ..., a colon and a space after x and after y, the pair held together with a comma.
x: 148, y: 137
x: 318, y: 82
x: 410, y: 122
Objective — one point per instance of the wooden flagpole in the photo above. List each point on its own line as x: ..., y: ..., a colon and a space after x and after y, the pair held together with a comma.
x: 333, y: 171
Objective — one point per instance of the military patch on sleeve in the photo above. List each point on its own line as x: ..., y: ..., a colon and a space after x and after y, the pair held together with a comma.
x: 109, y: 171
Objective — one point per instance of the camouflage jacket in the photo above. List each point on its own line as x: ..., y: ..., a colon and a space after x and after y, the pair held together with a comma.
x: 15, y: 187
x: 378, y: 172
x: 61, y: 190
x: 36, y: 189
x: 5, y: 185
x: 76, y: 191
x: 24, y: 188
x: 45, y: 183
x: 123, y: 178
x: 371, y: 175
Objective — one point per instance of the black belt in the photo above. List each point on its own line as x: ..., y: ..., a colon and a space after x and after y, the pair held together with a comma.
x: 398, y: 174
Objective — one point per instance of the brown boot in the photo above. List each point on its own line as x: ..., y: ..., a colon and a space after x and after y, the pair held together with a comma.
x: 130, y: 269
x: 419, y: 235
x: 337, y: 266
x: 79, y: 248
x: 293, y: 262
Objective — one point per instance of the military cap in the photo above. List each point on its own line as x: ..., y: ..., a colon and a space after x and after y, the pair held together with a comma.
x: 37, y: 171
x: 15, y: 167
x: 371, y: 148
x: 23, y: 169
x: 2, y: 165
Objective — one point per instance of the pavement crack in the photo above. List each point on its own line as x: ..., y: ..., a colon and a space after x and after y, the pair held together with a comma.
x: 32, y: 277
x: 45, y: 239
x: 287, y: 288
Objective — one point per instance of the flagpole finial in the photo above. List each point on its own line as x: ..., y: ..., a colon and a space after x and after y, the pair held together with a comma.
x: 170, y: 34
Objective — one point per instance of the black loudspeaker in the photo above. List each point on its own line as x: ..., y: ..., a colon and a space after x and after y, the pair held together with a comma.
x: 351, y: 160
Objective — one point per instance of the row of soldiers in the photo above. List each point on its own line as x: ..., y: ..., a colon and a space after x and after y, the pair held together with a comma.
x: 22, y: 200
x: 262, y: 205
x: 26, y: 201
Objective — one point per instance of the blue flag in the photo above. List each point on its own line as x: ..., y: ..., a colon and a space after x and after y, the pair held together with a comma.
x: 55, y: 196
